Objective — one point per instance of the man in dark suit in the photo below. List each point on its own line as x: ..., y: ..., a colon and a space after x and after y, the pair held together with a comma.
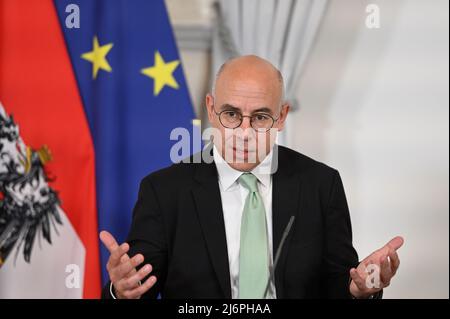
x: 247, y: 218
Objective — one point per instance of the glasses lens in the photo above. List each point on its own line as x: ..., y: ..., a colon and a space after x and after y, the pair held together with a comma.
x: 262, y: 122
x: 230, y: 119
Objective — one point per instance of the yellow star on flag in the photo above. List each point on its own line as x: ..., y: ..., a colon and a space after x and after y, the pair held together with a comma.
x: 161, y: 73
x: 98, y: 57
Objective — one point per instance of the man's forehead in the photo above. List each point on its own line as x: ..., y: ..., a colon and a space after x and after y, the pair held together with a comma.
x: 250, y: 81
x: 249, y: 89
x: 246, y: 92
x: 246, y: 100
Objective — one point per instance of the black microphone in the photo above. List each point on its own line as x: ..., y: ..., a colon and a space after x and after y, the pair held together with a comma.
x: 278, y: 253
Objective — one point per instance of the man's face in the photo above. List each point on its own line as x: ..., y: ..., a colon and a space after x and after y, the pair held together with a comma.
x: 256, y: 93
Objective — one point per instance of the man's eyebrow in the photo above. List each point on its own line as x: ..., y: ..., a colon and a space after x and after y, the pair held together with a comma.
x: 230, y: 107
x: 263, y: 110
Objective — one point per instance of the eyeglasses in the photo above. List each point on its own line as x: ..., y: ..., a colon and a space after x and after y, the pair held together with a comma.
x: 260, y: 122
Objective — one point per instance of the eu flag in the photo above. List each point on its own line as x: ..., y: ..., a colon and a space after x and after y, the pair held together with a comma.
x: 134, y: 93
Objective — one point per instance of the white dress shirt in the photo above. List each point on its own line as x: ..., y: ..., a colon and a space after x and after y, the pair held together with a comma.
x: 233, y: 197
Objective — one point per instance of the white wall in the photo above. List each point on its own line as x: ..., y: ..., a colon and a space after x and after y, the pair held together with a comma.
x: 192, y: 21
x: 374, y: 105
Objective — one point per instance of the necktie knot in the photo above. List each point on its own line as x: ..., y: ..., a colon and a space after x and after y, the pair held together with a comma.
x: 249, y: 181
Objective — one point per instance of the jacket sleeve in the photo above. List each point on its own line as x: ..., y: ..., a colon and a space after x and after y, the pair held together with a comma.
x: 339, y: 254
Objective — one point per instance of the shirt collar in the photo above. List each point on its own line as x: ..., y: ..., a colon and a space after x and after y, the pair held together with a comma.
x: 229, y: 175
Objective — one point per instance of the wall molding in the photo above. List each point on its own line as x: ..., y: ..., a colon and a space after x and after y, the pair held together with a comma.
x: 193, y: 37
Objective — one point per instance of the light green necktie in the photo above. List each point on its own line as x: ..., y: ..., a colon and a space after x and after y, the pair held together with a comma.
x: 253, y: 255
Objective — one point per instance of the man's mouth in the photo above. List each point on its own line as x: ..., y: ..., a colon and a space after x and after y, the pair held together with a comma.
x: 243, y: 153
x: 242, y: 150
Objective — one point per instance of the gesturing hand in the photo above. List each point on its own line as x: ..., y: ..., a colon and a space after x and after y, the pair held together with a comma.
x: 385, y: 260
x: 122, y: 270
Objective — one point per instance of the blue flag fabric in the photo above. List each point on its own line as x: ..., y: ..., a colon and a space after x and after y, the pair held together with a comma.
x: 134, y: 93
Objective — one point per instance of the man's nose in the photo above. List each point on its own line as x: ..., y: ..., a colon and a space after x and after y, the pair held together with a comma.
x: 246, y: 123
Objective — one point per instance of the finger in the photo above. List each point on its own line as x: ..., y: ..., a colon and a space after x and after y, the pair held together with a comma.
x: 123, y: 269
x: 117, y: 254
x: 357, y: 279
x: 132, y: 282
x: 108, y: 240
x: 361, y: 270
x: 142, y: 289
x: 385, y: 271
x: 371, y: 262
x: 123, y: 259
x: 395, y: 261
x: 395, y: 243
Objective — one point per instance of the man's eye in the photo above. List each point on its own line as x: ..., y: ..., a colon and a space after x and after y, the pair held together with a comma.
x: 261, y: 117
x: 231, y: 114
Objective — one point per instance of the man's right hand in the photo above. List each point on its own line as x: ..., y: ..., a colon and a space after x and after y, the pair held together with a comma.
x: 122, y: 270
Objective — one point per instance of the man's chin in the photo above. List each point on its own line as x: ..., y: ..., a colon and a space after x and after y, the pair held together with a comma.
x: 241, y: 159
x: 243, y: 167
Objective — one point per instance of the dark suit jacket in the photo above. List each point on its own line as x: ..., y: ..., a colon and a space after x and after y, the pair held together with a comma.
x: 178, y: 226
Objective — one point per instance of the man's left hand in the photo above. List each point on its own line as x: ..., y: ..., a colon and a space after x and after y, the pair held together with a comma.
x: 384, y: 262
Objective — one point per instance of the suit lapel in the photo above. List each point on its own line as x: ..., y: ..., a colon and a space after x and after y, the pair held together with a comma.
x: 285, y: 201
x: 209, y: 209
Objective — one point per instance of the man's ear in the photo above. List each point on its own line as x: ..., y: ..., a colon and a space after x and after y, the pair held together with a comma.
x: 209, y: 102
x: 283, y: 115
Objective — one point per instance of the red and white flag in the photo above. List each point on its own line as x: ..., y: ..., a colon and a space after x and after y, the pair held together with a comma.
x: 48, y: 216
